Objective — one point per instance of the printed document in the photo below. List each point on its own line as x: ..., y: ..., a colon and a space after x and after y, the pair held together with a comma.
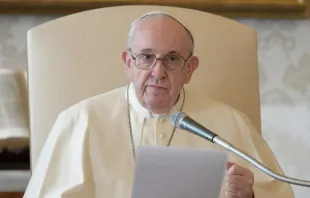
x: 177, y: 172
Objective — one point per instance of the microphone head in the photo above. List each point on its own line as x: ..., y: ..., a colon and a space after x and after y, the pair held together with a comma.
x: 175, y: 118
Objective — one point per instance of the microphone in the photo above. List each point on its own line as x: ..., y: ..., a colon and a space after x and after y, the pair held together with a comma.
x: 183, y: 121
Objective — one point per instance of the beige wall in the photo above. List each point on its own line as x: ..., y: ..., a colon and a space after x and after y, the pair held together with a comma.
x: 284, y: 60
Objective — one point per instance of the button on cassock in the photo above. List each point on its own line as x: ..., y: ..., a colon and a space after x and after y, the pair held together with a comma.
x: 161, y: 121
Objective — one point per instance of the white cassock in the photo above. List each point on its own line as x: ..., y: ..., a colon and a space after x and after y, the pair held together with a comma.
x: 88, y: 153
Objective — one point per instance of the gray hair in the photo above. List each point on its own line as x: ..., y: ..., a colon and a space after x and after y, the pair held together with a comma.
x: 133, y: 27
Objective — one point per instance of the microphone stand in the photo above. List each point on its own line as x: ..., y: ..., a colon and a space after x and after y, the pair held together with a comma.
x: 182, y: 121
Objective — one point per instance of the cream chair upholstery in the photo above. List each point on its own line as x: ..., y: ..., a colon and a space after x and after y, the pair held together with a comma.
x: 78, y: 56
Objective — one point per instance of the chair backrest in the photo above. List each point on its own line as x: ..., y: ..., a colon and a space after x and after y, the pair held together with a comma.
x: 78, y: 56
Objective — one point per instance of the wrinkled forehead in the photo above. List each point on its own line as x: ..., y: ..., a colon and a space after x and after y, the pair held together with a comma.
x: 162, y: 35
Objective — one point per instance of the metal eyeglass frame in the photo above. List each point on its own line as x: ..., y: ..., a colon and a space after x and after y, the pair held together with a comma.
x: 156, y: 59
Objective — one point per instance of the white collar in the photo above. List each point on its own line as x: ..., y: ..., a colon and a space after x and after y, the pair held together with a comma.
x: 142, y: 111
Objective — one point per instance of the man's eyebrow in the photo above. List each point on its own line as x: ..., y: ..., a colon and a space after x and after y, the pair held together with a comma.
x: 174, y: 52
x: 149, y: 50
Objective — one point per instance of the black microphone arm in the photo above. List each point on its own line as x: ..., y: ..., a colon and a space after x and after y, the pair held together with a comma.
x: 183, y: 121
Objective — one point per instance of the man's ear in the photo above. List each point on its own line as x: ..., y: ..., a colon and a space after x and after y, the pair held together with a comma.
x: 126, y: 60
x: 192, y: 66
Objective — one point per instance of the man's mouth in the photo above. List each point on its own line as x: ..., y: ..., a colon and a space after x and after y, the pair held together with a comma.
x: 157, y: 86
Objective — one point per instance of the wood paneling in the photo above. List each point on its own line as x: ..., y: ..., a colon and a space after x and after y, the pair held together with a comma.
x: 11, y: 195
x: 235, y: 8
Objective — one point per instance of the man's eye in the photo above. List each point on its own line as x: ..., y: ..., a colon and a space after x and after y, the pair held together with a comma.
x: 147, y: 56
x: 173, y: 58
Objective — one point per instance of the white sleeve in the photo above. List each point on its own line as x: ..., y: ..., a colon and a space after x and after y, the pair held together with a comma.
x: 63, y: 169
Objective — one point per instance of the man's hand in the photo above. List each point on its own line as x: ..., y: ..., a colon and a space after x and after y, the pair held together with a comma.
x: 239, y: 181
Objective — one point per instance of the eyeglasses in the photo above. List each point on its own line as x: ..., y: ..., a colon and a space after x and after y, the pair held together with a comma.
x: 148, y: 61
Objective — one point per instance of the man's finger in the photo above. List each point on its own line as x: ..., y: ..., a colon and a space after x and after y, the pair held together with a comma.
x: 230, y: 194
x: 236, y: 188
x: 235, y: 179
x: 237, y: 170
x: 229, y: 164
x: 241, y: 180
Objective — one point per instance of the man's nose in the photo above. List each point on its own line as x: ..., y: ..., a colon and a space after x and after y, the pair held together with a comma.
x: 159, y: 70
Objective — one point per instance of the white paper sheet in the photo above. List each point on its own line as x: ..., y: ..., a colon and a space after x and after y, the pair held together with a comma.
x: 174, y: 172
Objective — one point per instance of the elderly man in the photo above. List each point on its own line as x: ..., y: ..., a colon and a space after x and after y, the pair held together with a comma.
x: 90, y: 151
